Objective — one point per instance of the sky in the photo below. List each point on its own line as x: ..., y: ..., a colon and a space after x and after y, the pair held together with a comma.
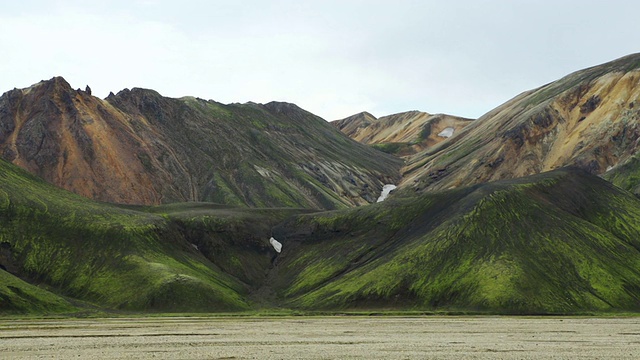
x: 332, y: 58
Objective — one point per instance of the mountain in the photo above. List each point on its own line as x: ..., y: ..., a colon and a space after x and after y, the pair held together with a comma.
x: 479, y: 248
x: 56, y: 245
x: 589, y: 119
x: 488, y: 220
x: 401, y: 134
x: 138, y: 147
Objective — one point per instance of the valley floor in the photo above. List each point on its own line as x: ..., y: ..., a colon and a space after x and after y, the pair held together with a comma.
x: 339, y: 337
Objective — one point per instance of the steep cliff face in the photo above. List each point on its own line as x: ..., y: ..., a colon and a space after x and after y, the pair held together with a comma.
x: 589, y: 119
x: 402, y: 134
x: 138, y: 147
x: 75, y: 141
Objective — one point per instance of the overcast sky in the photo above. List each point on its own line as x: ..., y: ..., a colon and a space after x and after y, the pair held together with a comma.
x: 333, y: 58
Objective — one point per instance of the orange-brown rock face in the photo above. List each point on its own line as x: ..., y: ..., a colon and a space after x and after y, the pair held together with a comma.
x: 76, y: 141
x: 415, y: 130
x: 138, y: 147
x: 589, y: 119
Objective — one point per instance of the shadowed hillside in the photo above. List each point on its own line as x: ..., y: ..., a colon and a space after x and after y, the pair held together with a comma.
x: 559, y: 242
x: 153, y: 259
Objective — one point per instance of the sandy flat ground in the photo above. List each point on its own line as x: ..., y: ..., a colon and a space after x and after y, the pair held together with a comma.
x: 322, y: 338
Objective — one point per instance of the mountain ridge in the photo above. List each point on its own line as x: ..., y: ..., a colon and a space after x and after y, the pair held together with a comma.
x: 401, y: 134
x: 586, y: 119
x: 139, y: 147
x: 510, y: 214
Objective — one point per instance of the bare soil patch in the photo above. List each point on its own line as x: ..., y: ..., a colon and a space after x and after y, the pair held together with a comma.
x: 322, y: 338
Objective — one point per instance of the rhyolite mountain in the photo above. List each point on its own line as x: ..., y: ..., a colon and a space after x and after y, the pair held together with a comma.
x: 589, y: 119
x: 470, y: 229
x: 138, y: 147
x: 478, y: 248
x: 401, y: 134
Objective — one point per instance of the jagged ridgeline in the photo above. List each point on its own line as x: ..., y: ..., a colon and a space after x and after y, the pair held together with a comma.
x: 138, y: 147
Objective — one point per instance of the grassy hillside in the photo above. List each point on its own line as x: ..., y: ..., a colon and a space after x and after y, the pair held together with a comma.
x: 111, y: 256
x: 18, y: 296
x: 559, y: 242
x: 626, y: 175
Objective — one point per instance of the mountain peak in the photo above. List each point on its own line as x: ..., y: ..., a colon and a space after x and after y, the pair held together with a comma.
x: 289, y: 110
x: 56, y: 83
x: 59, y: 80
x: 280, y: 107
x: 142, y: 148
x: 403, y: 133
x: 589, y: 119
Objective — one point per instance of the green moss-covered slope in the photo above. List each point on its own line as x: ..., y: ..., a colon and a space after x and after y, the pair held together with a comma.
x: 111, y: 256
x: 18, y: 296
x: 626, y: 176
x: 559, y: 242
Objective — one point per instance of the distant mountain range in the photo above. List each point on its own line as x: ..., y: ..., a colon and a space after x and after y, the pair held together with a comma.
x: 527, y: 210
x: 589, y: 119
x: 401, y: 134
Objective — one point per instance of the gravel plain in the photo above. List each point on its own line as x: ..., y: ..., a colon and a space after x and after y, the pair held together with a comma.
x: 336, y: 337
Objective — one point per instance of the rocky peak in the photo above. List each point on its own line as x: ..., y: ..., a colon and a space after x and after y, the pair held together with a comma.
x: 350, y: 124
x: 288, y: 110
x: 57, y: 83
x: 282, y: 108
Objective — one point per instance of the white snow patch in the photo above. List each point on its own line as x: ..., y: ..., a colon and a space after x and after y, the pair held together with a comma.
x: 277, y: 246
x: 195, y: 246
x: 388, y: 188
x: 447, y: 132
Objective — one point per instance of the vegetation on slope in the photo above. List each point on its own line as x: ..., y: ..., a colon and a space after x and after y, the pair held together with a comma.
x: 400, y: 134
x: 559, y: 242
x: 18, y: 296
x: 111, y: 256
x: 626, y: 175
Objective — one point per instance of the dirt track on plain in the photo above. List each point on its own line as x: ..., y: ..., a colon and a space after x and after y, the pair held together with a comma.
x: 322, y: 338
